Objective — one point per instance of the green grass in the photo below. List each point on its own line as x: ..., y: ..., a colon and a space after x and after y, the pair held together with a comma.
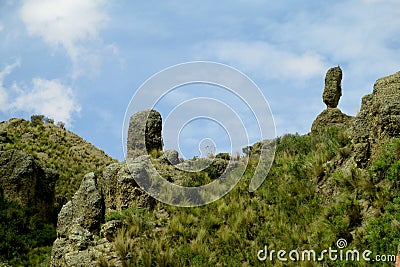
x: 308, y: 201
x: 312, y: 196
x: 59, y: 149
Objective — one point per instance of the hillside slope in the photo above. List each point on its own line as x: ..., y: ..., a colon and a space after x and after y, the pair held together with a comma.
x: 56, y: 148
x: 335, y: 189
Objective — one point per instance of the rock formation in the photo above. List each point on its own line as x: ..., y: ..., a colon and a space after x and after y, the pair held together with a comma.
x: 84, y: 209
x: 170, y: 157
x: 331, y: 116
x: 333, y: 87
x: 24, y: 181
x: 78, y: 221
x: 120, y: 188
x: 78, y: 242
x: 143, y: 137
x: 378, y: 119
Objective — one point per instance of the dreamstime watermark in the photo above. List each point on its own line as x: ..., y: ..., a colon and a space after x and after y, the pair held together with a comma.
x: 333, y: 254
x: 234, y: 83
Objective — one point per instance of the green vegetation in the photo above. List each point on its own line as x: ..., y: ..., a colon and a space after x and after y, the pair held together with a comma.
x: 311, y: 198
x: 314, y: 195
x: 24, y: 239
x: 56, y: 148
x: 21, y: 231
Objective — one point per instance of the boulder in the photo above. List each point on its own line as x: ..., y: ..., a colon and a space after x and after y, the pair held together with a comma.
x: 110, y: 229
x: 25, y: 182
x: 333, y: 87
x: 144, y: 133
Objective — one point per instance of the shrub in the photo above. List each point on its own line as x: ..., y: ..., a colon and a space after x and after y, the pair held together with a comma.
x: 37, y: 120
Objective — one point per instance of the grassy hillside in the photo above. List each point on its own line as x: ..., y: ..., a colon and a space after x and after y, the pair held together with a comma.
x: 25, y: 240
x: 57, y: 148
x: 312, y: 197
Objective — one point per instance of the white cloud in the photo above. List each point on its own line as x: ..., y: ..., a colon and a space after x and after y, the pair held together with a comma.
x: 47, y: 97
x: 71, y: 24
x: 1, y: 27
x: 267, y: 60
x: 50, y: 98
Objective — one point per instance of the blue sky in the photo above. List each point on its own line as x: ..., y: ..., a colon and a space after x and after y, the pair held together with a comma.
x: 81, y: 61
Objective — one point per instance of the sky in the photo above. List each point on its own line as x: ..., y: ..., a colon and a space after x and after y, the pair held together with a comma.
x: 81, y: 61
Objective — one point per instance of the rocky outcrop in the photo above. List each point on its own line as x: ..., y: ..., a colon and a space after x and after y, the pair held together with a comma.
x: 144, y: 133
x: 25, y: 182
x: 378, y: 119
x: 80, y: 240
x: 332, y: 116
x: 78, y: 220
x: 80, y: 248
x: 333, y: 87
x: 84, y: 209
x: 120, y: 188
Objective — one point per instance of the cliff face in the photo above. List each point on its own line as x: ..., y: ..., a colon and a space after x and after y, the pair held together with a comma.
x: 378, y: 119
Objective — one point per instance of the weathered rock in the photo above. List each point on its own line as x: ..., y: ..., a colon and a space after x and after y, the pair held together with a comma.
x: 333, y: 87
x: 79, y: 220
x: 120, y: 188
x: 84, y: 209
x: 170, y: 157
x: 144, y: 133
x: 81, y: 248
x: 378, y: 119
x: 109, y: 229
x: 331, y: 117
x: 24, y: 181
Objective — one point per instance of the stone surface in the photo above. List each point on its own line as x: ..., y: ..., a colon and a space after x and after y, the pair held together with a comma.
x: 120, y: 188
x: 109, y: 229
x: 78, y: 224
x: 83, y: 249
x: 84, y: 209
x: 170, y: 157
x: 333, y: 87
x: 378, y: 119
x: 144, y: 133
x: 24, y: 181
x: 331, y: 117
